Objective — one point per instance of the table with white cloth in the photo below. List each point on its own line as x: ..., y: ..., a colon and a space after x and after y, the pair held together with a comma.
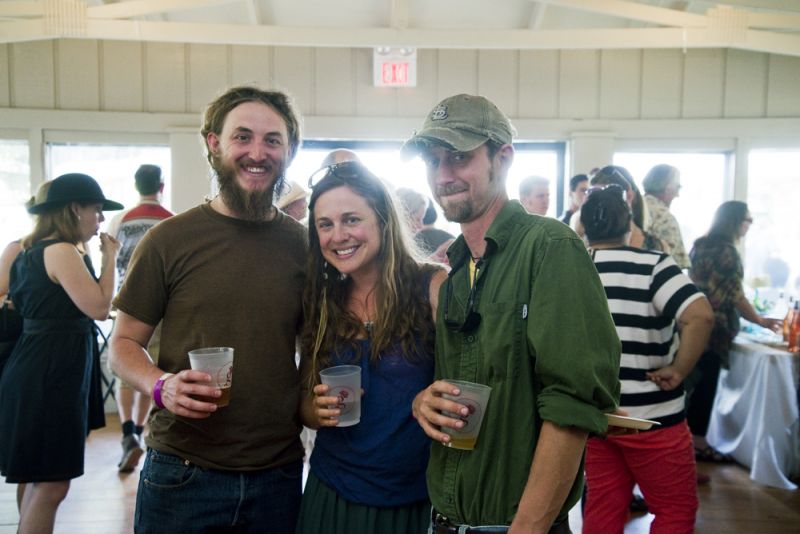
x: 755, y: 415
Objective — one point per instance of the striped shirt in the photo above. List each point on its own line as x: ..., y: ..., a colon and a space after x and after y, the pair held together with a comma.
x: 647, y: 292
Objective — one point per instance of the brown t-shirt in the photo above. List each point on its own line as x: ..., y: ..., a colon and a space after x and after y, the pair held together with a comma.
x: 216, y: 281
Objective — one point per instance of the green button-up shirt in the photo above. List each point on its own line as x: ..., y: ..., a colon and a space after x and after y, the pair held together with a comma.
x: 546, y: 345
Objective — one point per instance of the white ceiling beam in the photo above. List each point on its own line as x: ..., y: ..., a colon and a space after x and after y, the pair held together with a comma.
x: 19, y: 31
x: 399, y: 15
x: 253, y: 11
x: 140, y: 8
x: 184, y: 32
x: 772, y: 43
x: 21, y: 9
x: 773, y: 21
x: 636, y: 11
x: 537, y: 14
x: 770, y: 5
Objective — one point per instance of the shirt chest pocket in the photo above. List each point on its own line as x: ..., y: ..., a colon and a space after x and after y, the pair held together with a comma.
x: 503, y: 343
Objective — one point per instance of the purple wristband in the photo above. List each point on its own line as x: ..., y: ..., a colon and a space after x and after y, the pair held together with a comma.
x: 157, y: 390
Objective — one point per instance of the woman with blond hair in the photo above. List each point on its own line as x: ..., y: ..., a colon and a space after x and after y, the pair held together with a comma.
x: 369, y: 303
x: 44, y: 390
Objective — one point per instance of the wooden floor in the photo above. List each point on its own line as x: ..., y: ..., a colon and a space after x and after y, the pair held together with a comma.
x: 102, y: 500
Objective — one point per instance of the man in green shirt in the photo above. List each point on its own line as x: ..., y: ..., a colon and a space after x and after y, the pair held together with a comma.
x: 534, y: 325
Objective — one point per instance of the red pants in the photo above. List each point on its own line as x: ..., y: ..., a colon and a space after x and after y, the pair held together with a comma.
x: 660, y: 461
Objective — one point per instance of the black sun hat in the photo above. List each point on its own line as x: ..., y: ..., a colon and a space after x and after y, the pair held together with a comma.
x: 74, y: 187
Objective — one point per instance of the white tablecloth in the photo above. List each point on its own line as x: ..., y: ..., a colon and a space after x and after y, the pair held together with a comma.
x: 755, y: 416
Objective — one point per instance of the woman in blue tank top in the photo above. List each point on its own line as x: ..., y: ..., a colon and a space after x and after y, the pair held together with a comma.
x: 370, y: 303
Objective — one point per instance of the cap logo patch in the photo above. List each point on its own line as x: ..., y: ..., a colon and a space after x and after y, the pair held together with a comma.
x: 439, y: 113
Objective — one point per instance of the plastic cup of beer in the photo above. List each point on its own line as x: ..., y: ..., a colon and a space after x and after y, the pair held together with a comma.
x: 218, y: 362
x: 345, y: 385
x: 475, y: 397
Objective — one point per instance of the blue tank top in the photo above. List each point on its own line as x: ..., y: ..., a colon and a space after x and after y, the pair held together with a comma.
x: 381, y: 461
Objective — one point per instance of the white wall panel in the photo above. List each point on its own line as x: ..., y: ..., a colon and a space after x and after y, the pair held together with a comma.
x: 418, y: 101
x: 745, y: 84
x: 32, y: 78
x: 457, y: 73
x: 590, y: 150
x: 662, y: 83
x: 538, y: 84
x: 498, y: 78
x: 703, y: 83
x: 251, y: 65
x: 783, y: 93
x: 620, y: 83
x: 77, y: 74
x: 208, y: 74
x: 535, y: 85
x: 122, y: 77
x: 335, y: 82
x: 5, y: 73
x: 165, y: 77
x: 370, y: 101
x: 579, y: 84
x: 293, y: 71
x: 191, y: 179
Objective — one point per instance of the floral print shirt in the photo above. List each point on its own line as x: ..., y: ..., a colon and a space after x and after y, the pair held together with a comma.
x: 717, y: 271
x: 664, y: 225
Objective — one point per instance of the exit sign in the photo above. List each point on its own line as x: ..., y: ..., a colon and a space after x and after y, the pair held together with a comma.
x: 394, y: 67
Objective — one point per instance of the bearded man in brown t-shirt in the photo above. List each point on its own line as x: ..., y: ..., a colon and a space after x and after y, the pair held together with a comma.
x: 227, y: 273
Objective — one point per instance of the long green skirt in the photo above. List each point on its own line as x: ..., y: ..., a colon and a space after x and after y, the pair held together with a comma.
x: 323, y: 511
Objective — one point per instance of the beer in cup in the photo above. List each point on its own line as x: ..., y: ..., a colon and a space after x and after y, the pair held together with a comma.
x: 475, y: 397
x: 218, y: 362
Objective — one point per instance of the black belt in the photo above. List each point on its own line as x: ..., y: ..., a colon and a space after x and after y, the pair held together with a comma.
x: 82, y: 325
x: 443, y: 525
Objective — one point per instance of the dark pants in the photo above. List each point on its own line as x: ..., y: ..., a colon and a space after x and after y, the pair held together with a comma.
x: 178, y: 496
x: 701, y: 388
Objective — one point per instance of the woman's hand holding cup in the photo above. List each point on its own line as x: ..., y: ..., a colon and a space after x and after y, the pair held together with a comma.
x: 326, y: 416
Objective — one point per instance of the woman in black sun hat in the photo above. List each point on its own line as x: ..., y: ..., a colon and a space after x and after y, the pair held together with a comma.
x: 44, y: 390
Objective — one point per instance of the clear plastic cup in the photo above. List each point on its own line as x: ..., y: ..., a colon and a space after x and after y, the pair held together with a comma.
x: 345, y: 384
x: 218, y: 362
x: 475, y: 397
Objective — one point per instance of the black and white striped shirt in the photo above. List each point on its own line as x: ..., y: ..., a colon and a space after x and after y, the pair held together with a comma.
x: 646, y: 293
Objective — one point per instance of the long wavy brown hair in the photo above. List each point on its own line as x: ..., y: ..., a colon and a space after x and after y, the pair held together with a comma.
x: 402, y: 315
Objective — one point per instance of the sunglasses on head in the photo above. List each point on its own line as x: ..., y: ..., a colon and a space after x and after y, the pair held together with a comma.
x: 612, y: 170
x: 610, y: 187
x: 346, y: 170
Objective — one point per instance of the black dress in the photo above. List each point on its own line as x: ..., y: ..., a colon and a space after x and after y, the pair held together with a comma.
x: 44, y: 390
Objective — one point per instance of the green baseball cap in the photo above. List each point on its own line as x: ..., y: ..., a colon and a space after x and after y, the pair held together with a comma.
x: 462, y: 123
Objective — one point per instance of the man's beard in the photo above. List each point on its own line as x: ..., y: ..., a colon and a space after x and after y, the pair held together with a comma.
x: 458, y: 212
x: 463, y: 210
x: 249, y: 205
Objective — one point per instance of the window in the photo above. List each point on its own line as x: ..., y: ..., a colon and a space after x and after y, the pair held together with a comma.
x: 15, y: 190
x: 772, y: 255
x: 113, y: 166
x: 383, y: 158
x: 539, y: 159
x: 703, y: 185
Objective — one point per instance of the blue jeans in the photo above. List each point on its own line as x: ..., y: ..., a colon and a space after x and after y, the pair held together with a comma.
x: 178, y: 496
